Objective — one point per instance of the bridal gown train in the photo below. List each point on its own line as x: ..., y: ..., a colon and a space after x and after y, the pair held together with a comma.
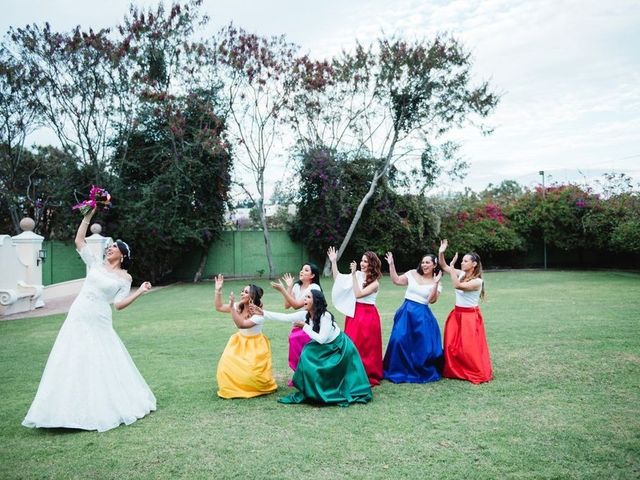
x: 90, y: 382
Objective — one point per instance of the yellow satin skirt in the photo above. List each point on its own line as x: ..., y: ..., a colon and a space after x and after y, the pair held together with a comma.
x: 244, y: 369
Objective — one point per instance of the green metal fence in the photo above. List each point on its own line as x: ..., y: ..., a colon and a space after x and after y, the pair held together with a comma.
x: 62, y: 263
x: 235, y: 254
x: 242, y: 254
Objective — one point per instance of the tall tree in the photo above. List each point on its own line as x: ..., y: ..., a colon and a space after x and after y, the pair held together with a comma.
x: 179, y: 120
x: 176, y: 178
x: 390, y: 101
x: 259, y: 84
x: 18, y: 118
x: 76, y: 74
x: 330, y: 191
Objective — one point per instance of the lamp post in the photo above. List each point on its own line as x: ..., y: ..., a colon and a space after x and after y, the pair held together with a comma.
x: 544, y: 240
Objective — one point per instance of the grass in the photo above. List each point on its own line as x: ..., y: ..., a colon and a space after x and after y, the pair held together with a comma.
x: 565, y: 402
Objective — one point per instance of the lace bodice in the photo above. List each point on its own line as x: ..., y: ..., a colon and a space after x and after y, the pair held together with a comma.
x: 102, y: 284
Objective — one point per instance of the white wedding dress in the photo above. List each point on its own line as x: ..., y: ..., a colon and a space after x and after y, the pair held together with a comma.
x: 90, y: 382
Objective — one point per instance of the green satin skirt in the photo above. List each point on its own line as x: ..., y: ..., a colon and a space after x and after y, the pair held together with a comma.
x: 331, y: 374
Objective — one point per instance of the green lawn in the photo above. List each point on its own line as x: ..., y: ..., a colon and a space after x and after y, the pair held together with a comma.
x: 565, y: 402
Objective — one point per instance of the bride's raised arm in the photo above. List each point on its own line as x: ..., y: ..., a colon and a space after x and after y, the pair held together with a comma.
x: 82, y: 229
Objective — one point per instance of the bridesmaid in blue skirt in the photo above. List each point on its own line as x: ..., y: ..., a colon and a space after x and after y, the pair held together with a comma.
x: 414, y: 352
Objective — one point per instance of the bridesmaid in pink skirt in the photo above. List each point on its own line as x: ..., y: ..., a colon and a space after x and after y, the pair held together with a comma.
x: 293, y: 293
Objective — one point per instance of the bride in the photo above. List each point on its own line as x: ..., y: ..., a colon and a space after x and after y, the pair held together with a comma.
x: 90, y: 382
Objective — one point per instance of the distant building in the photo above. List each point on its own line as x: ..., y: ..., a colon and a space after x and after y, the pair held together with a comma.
x: 241, y: 217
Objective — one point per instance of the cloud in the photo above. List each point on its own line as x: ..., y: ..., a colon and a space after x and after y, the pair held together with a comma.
x: 568, y: 70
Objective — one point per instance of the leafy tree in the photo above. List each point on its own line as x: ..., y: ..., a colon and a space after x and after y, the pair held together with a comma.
x: 331, y: 188
x: 43, y: 186
x: 389, y: 102
x: 472, y: 223
x: 75, y: 77
x: 503, y: 194
x: 18, y: 118
x: 174, y: 183
x: 258, y: 81
x: 613, y: 224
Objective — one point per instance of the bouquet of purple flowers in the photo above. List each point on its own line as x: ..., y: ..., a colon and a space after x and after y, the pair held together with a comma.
x: 98, y: 197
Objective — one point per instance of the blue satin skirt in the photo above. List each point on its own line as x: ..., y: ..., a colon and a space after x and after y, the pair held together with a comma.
x: 414, y: 352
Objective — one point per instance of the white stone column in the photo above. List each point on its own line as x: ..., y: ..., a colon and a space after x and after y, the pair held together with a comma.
x: 28, y: 246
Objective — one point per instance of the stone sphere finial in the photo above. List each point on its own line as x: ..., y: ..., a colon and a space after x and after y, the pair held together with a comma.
x: 27, y: 224
x: 96, y: 228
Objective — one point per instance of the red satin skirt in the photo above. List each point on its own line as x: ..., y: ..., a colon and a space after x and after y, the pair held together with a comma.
x: 365, y: 332
x: 466, y: 352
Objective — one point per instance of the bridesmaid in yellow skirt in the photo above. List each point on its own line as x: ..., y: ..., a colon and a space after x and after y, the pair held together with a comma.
x: 244, y: 369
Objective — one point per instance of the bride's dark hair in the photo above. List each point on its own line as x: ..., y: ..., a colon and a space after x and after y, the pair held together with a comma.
x: 126, y: 254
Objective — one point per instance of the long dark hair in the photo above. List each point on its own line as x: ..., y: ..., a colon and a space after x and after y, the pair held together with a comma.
x: 434, y: 259
x: 374, y: 271
x: 477, y: 271
x: 126, y: 254
x: 316, y: 274
x: 255, y: 294
x: 319, y: 309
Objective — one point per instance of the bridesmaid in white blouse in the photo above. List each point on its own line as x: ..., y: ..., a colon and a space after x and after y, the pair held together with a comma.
x: 294, y: 293
x: 330, y: 370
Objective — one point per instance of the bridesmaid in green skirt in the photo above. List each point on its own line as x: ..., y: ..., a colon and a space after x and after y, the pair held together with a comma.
x: 330, y: 370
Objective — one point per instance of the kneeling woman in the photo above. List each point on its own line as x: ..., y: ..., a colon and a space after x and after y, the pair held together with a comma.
x: 244, y: 369
x: 330, y: 370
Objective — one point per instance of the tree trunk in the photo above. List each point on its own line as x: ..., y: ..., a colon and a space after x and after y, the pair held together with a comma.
x: 15, y: 219
x: 203, y: 261
x: 356, y: 218
x: 267, y: 241
x: 326, y: 270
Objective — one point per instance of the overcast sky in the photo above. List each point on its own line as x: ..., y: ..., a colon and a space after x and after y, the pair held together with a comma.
x: 568, y: 71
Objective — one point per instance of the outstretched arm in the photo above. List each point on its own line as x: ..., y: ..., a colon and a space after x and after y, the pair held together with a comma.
x: 443, y: 263
x: 128, y: 300
x: 218, y: 295
x: 288, y: 281
x: 397, y: 280
x: 289, y: 301
x: 82, y: 229
x: 333, y: 258
x: 296, y: 317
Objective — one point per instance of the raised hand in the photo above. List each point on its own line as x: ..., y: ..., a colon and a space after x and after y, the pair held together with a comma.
x: 354, y: 266
x: 219, y: 281
x: 389, y: 258
x: 443, y: 245
x: 454, y: 260
x: 332, y: 254
x: 278, y: 286
x: 232, y: 299
x: 288, y: 280
x: 255, y: 310
x: 437, y: 277
x: 145, y: 287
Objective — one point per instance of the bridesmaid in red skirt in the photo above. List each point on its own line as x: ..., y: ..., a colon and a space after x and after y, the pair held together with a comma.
x: 466, y: 352
x: 355, y: 296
